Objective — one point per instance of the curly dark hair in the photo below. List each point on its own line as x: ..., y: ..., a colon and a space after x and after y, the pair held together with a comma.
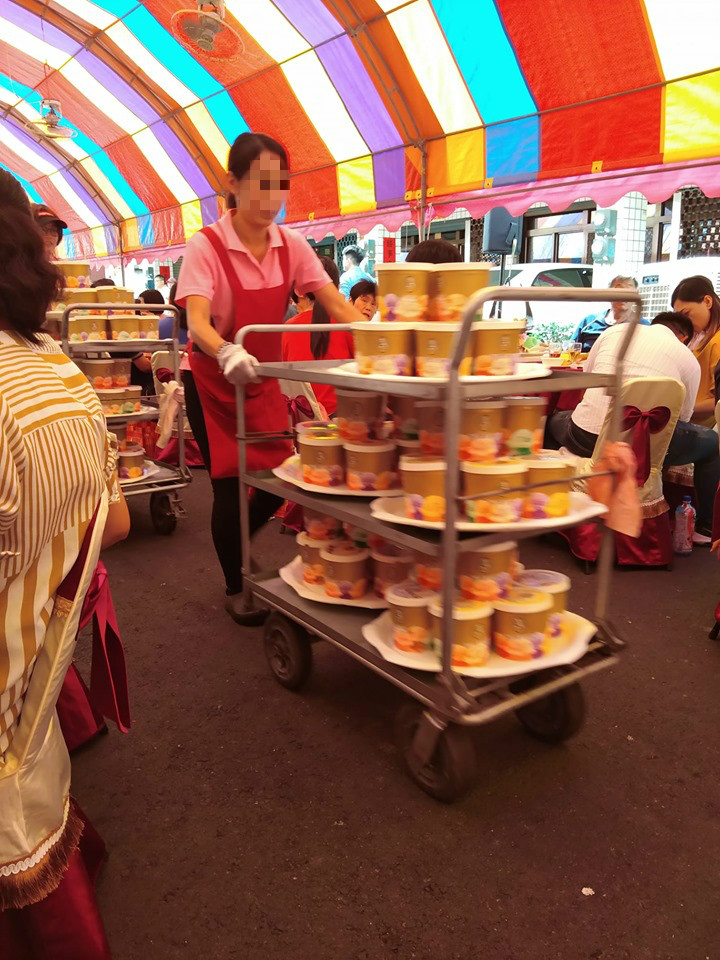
x: 29, y: 282
x: 362, y: 288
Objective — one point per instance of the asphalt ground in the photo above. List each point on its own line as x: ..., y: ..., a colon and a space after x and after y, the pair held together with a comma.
x: 246, y: 822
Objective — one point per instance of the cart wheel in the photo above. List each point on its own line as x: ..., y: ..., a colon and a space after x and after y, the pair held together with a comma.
x: 162, y: 513
x: 554, y: 718
x: 451, y: 771
x: 288, y: 651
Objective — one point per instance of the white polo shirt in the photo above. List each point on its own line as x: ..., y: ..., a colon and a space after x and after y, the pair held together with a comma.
x: 653, y: 352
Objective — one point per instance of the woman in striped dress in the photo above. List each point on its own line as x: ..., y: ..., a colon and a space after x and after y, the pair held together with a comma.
x: 59, y: 504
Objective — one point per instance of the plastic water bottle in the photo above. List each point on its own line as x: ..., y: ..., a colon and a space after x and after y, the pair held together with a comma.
x: 684, y: 528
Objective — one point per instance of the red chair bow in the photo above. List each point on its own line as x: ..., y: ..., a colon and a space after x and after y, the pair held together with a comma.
x: 643, y: 424
x: 299, y: 409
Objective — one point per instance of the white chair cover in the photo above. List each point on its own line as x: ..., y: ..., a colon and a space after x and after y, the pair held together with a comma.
x: 645, y: 393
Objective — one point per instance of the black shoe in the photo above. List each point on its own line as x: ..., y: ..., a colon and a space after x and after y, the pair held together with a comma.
x: 242, y: 614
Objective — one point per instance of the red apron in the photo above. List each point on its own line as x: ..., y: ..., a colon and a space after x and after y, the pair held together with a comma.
x: 265, y: 408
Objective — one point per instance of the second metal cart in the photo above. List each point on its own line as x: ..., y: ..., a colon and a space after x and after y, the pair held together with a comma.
x: 163, y: 486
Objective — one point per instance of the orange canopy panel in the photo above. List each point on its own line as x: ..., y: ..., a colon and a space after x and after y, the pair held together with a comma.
x: 476, y: 103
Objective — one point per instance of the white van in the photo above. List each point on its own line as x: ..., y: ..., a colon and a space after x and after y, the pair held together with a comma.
x: 656, y: 282
x: 565, y: 316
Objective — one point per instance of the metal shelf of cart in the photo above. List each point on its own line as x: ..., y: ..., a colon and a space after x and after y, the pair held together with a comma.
x: 321, y: 371
x: 357, y: 513
x: 118, y: 346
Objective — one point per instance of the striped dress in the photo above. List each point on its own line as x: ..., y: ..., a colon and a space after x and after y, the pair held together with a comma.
x: 56, y: 459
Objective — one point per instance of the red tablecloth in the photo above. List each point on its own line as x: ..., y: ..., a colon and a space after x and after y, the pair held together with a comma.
x: 564, y: 399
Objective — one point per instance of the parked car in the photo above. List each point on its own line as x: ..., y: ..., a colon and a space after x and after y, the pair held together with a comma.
x: 558, y: 320
x: 553, y: 319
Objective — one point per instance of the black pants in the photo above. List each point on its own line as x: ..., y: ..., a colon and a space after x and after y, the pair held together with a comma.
x: 568, y: 434
x: 698, y: 445
x: 195, y: 415
x: 225, y: 523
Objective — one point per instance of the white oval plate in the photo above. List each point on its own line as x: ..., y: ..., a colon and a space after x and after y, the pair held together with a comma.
x: 149, y: 470
x: 378, y: 633
x: 530, y: 371
x: 290, y: 471
x: 582, y: 508
x: 143, y: 411
x: 292, y: 574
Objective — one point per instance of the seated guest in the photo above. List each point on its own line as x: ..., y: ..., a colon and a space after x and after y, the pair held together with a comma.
x: 590, y: 328
x: 655, y: 351
x: 363, y: 297
x: 324, y: 345
x: 353, y: 271
x: 141, y: 372
x: 165, y: 324
x: 696, y: 298
x: 152, y: 296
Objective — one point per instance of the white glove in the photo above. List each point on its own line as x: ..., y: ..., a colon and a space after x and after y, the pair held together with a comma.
x: 237, y: 364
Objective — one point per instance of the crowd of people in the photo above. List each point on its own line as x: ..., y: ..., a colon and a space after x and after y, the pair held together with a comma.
x: 683, y: 344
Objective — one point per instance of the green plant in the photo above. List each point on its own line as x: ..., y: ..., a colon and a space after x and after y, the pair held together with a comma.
x: 552, y: 332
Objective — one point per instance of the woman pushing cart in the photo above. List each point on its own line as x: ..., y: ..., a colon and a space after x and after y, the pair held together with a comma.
x: 241, y: 271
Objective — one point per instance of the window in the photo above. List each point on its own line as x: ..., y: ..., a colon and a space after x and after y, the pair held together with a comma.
x: 455, y: 237
x: 559, y: 237
x: 657, y: 232
x: 541, y: 249
x: 574, y: 218
x: 571, y: 247
x: 324, y: 249
x: 408, y: 238
x: 564, y: 278
x: 451, y: 230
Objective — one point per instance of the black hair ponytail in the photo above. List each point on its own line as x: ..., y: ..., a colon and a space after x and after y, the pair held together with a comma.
x: 320, y: 342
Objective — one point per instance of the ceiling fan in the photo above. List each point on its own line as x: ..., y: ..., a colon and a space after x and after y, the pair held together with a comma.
x: 203, y: 31
x: 50, y: 123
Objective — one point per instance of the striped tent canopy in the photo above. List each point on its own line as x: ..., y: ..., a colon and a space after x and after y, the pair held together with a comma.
x: 385, y: 107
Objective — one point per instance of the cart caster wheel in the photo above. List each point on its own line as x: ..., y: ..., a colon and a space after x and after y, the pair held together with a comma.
x: 288, y: 650
x: 554, y: 718
x: 713, y: 635
x: 162, y: 513
x: 452, y: 769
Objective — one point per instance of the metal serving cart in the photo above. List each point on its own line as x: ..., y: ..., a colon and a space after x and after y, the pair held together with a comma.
x: 165, y: 482
x: 432, y: 733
